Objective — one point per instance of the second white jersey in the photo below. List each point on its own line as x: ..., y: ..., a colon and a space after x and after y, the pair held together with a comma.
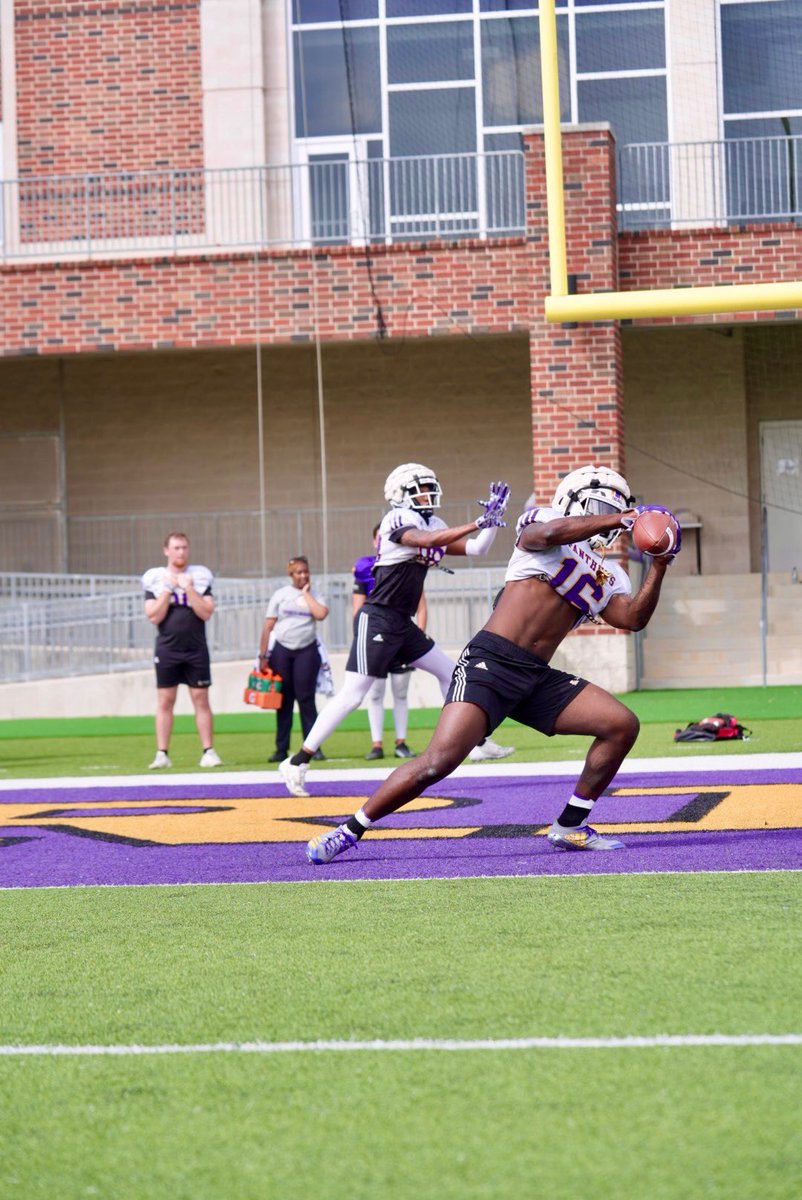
x: 390, y: 551
x: 575, y: 571
x: 399, y: 570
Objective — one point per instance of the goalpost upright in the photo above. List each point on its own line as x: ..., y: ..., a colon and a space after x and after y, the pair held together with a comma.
x: 616, y: 306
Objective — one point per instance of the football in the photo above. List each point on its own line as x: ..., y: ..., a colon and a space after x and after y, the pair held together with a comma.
x: 655, y: 532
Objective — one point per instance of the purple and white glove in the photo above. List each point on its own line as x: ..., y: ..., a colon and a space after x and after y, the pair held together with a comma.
x: 495, y: 506
x: 642, y: 508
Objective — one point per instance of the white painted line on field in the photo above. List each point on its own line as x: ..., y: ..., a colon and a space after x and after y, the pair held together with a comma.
x: 379, y: 1045
x: 505, y: 770
x: 328, y: 881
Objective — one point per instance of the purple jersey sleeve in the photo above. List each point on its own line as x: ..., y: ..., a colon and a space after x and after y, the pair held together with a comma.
x: 364, y: 579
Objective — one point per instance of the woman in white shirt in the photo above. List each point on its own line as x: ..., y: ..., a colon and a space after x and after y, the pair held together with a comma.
x: 288, y: 645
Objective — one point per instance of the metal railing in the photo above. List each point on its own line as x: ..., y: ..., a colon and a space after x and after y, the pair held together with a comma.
x: 66, y: 635
x: 735, y: 181
x: 227, y: 542
x: 323, y: 202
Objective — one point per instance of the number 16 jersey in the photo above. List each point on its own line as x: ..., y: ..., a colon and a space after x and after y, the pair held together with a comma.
x: 575, y: 571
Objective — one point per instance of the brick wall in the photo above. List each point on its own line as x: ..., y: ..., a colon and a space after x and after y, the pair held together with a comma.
x: 442, y: 292
x: 107, y: 85
x: 707, y: 257
x: 470, y: 288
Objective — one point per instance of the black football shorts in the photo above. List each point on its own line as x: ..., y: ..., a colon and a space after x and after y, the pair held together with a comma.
x: 507, y: 681
x: 194, y: 670
x: 383, y: 640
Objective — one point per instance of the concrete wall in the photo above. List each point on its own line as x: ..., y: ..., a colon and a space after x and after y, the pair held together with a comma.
x: 773, y: 372
x: 608, y: 661
x: 178, y: 432
x: 686, y: 435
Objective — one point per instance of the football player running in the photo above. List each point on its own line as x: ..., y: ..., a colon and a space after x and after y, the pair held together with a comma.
x: 557, y: 578
x: 411, y: 540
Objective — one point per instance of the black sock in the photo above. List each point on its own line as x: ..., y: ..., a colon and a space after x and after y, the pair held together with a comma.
x: 353, y: 826
x: 303, y: 756
x: 576, y: 811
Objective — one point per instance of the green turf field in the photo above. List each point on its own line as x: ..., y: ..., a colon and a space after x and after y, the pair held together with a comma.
x: 461, y: 959
x: 124, y: 745
x: 464, y: 959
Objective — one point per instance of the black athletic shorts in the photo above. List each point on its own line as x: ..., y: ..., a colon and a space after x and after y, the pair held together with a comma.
x: 507, y: 681
x: 383, y: 640
x: 192, y: 669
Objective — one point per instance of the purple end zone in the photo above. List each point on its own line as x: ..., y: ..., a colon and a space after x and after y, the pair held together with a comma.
x: 53, y: 842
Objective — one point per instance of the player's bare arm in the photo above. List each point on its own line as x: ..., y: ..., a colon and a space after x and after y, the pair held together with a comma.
x: 425, y: 539
x: 564, y: 530
x: 457, y: 540
x: 156, y: 610
x: 635, y: 612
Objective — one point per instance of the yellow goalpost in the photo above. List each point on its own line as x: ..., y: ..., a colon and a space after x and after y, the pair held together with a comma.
x: 615, y: 306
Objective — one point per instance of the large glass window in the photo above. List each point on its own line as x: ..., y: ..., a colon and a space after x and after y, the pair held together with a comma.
x: 636, y: 108
x: 620, y: 41
x: 313, y: 12
x: 426, y: 8
x: 430, y: 53
x: 761, y: 56
x: 337, y: 82
x: 761, y: 64
x: 432, y: 121
x: 511, y: 84
x: 409, y: 74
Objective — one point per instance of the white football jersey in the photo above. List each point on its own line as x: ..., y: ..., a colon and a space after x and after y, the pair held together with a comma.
x: 155, y: 581
x: 390, y: 553
x: 575, y: 571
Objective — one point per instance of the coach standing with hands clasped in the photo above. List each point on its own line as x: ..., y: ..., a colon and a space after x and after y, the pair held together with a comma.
x: 288, y: 645
x: 179, y: 602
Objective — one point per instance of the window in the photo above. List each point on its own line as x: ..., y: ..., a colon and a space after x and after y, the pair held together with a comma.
x: 409, y: 73
x: 620, y: 41
x: 511, y: 83
x: 426, y: 8
x: 430, y: 53
x: 432, y: 121
x: 313, y: 12
x: 761, y: 45
x: 337, y: 82
x: 636, y: 108
x: 761, y: 61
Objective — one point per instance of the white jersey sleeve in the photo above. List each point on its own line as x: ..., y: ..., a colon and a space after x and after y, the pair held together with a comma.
x: 575, y: 571
x: 154, y: 581
x: 202, y: 579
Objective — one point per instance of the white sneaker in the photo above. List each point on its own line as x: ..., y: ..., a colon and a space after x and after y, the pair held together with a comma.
x: 210, y: 758
x: 490, y: 749
x: 160, y: 762
x: 293, y: 777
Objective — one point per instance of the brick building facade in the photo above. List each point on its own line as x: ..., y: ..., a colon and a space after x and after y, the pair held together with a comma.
x: 128, y: 380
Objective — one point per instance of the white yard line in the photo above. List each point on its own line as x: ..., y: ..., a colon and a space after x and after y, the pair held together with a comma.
x: 680, y: 1041
x: 708, y: 763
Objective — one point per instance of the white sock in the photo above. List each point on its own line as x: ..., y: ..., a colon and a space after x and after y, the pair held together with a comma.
x: 375, y: 704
